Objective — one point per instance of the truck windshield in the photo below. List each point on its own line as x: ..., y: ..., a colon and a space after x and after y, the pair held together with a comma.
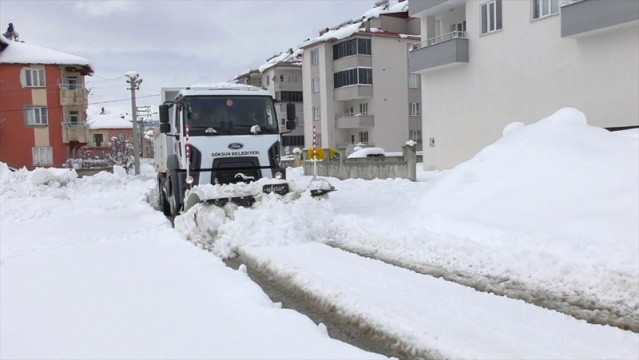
x: 235, y: 115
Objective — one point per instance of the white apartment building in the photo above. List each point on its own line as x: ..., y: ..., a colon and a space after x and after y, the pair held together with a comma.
x: 487, y: 63
x: 357, y: 86
x: 281, y: 75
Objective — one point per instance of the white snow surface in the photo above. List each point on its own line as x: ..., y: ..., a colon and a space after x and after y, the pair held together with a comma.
x: 112, y: 118
x: 363, y: 152
x: 90, y: 269
x: 24, y: 53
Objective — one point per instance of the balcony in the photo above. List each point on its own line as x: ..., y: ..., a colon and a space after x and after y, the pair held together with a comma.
x: 439, y: 52
x: 355, y: 121
x: 353, y: 92
x: 74, y: 131
x: 73, y: 94
x: 588, y: 17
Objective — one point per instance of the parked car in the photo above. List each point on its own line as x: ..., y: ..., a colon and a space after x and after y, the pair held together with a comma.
x: 367, y: 152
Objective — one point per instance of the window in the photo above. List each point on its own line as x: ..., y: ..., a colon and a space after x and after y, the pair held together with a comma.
x: 363, y: 137
x: 295, y: 140
x: 352, y: 47
x: 293, y: 78
x: 72, y: 82
x: 98, y: 139
x: 414, y: 109
x: 74, y: 117
x: 363, y: 108
x: 415, y: 135
x: 353, y: 76
x: 34, y: 78
x: 315, y: 57
x: 315, y: 84
x: 491, y: 17
x: 460, y: 26
x: 413, y: 81
x: 121, y: 136
x: 316, y: 113
x: 286, y: 96
x: 268, y: 81
x: 318, y: 140
x: 543, y: 8
x: 42, y: 155
x: 281, y: 78
x: 37, y: 116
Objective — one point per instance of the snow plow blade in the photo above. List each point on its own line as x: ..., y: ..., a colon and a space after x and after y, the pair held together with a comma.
x: 196, y: 196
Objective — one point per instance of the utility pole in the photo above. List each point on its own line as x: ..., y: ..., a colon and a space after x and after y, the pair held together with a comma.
x: 135, y: 82
x: 144, y: 113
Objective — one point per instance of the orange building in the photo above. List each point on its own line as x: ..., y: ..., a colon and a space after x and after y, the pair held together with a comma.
x: 43, y: 105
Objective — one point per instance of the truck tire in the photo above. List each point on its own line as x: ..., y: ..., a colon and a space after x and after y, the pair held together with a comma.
x: 172, y: 188
x: 162, y: 200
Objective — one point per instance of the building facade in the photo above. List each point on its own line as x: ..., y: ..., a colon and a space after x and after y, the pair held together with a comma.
x: 358, y: 90
x: 43, y: 105
x: 485, y: 64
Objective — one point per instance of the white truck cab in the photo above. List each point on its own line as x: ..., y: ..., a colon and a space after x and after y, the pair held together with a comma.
x: 219, y: 134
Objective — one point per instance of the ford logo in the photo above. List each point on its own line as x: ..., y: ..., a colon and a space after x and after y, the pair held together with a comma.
x: 235, y: 146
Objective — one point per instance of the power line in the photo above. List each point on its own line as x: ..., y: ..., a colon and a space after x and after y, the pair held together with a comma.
x: 93, y: 103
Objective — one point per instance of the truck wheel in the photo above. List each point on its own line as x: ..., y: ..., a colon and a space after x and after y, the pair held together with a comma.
x: 163, y: 203
x: 171, y: 191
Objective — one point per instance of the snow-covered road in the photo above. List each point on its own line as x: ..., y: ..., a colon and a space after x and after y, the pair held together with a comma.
x: 432, y: 318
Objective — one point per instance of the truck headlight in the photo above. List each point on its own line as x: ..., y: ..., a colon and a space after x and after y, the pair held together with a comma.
x: 278, y: 175
x: 189, y: 179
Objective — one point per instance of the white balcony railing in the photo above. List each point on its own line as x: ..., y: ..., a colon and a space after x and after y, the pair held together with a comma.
x: 439, y: 39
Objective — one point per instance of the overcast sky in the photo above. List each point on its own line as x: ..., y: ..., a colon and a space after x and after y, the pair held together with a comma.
x: 171, y: 42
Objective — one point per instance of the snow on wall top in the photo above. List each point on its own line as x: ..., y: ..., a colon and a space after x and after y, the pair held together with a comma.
x: 22, y: 53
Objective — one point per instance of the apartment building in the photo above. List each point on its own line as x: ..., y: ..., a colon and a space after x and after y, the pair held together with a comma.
x: 43, y: 105
x: 485, y: 64
x: 357, y: 86
x: 281, y: 75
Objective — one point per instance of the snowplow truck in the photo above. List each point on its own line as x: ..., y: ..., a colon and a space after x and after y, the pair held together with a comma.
x: 221, y: 134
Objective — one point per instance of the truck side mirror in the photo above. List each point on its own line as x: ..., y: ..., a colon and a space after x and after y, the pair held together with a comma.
x: 165, y: 128
x: 164, y: 114
x: 290, y: 112
x: 290, y: 124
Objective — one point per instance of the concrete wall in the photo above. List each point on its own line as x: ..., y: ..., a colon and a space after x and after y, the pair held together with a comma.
x: 367, y: 168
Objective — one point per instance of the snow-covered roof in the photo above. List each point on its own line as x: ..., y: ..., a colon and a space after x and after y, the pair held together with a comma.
x: 288, y: 57
x: 111, y: 119
x: 14, y: 52
x: 353, y: 26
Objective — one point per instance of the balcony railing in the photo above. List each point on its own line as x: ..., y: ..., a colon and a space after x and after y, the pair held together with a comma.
x: 73, y: 94
x: 353, y: 92
x: 440, y: 38
x: 75, y: 131
x: 441, y: 51
x: 354, y: 121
